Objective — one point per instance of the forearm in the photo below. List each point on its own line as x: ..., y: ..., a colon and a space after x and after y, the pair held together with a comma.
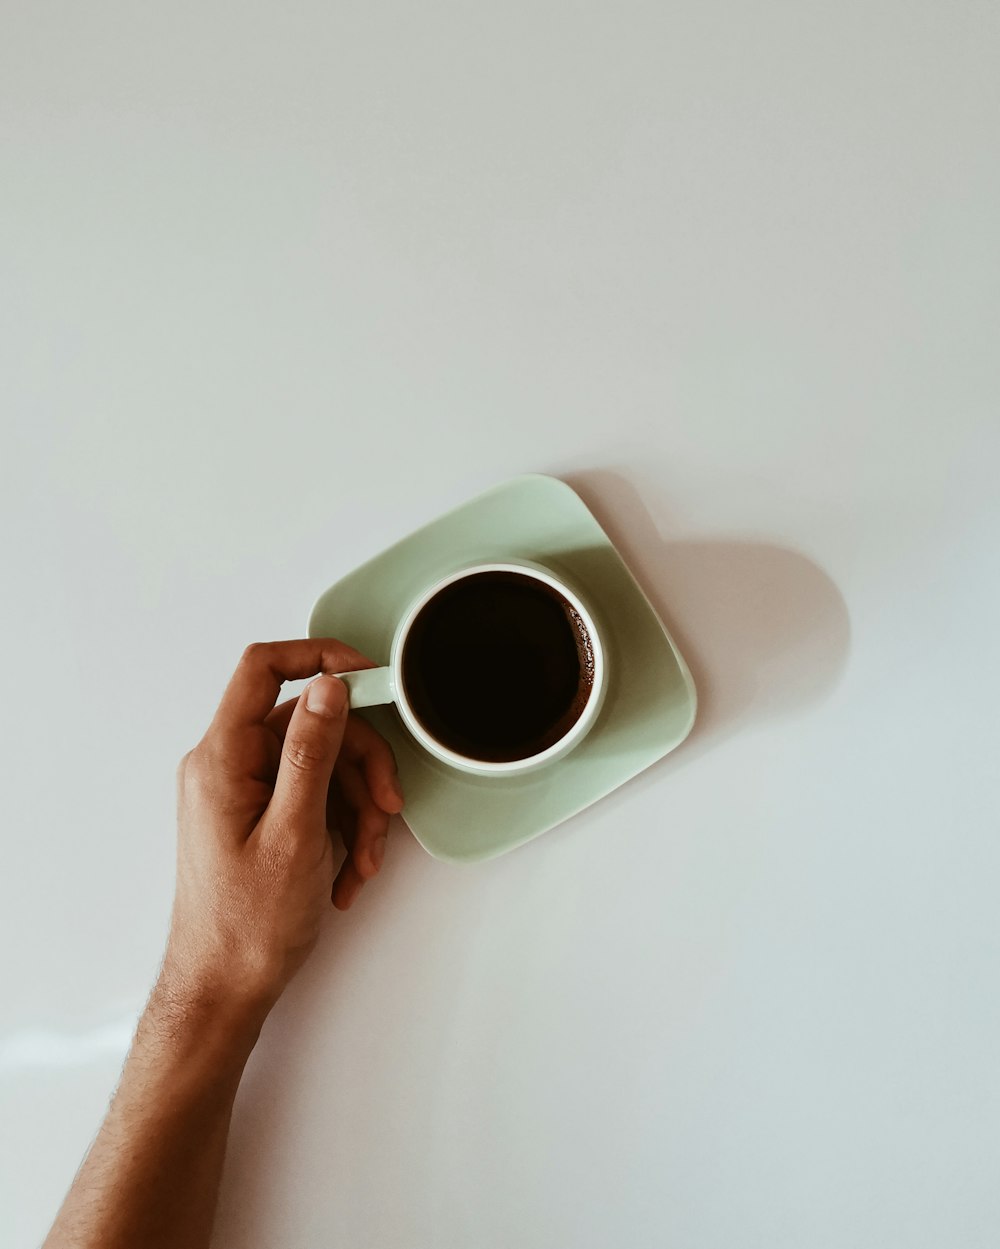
x: 255, y: 875
x: 151, y: 1177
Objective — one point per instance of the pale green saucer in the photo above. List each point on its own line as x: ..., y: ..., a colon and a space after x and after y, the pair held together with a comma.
x: 650, y: 704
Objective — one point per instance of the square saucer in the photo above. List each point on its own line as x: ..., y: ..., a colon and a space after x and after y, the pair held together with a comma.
x: 650, y: 703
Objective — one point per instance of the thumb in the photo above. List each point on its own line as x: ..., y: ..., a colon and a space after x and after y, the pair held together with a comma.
x: 312, y: 743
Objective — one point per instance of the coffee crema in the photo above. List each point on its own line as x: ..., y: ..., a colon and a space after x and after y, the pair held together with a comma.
x: 498, y: 666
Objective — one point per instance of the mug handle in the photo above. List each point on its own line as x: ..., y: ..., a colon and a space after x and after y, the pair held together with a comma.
x: 367, y: 687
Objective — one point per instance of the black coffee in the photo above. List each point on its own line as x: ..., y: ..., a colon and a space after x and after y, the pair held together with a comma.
x: 498, y: 666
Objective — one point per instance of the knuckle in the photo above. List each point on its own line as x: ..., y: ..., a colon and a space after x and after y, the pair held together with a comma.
x: 253, y: 653
x: 387, y: 754
x: 187, y: 769
x: 289, y: 853
x: 196, y: 770
x: 274, y: 856
x: 304, y: 754
x: 375, y: 746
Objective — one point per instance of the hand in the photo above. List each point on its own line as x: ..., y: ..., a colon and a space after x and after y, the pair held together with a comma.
x: 256, y: 797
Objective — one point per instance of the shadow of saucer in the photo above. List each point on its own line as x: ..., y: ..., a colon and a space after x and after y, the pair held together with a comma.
x: 763, y: 629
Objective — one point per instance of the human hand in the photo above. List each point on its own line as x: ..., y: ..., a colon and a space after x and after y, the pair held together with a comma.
x: 256, y: 796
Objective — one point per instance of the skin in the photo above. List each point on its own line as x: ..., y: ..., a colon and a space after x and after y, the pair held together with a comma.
x: 256, y: 870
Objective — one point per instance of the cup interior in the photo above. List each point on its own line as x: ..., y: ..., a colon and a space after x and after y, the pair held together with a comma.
x: 498, y: 666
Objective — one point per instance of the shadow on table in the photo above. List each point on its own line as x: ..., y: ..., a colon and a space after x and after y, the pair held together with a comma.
x: 764, y: 630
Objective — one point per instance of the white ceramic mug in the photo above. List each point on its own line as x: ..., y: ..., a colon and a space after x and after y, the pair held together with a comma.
x: 370, y: 687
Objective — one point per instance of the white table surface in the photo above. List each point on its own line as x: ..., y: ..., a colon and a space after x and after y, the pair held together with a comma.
x: 278, y: 284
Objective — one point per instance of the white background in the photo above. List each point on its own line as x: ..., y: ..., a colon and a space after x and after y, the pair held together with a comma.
x: 279, y: 283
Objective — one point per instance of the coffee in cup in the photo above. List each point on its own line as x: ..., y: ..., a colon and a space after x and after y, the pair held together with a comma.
x: 498, y: 666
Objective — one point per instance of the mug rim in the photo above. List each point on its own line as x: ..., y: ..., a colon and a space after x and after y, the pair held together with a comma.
x: 486, y: 766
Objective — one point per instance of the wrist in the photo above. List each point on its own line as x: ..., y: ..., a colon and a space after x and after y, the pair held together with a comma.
x: 190, y: 1010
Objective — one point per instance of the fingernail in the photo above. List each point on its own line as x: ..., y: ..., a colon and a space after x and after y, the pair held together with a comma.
x: 395, y: 786
x: 326, y: 696
x: 378, y: 851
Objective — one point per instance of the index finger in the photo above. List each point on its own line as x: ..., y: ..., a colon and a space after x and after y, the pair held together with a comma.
x: 265, y: 666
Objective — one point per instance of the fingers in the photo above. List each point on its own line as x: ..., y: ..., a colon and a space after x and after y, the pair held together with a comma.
x: 341, y: 821
x: 312, y: 742
x: 363, y: 745
x: 364, y: 791
x: 371, y: 823
x: 277, y: 720
x: 366, y: 747
x: 347, y: 886
x: 256, y: 683
x: 342, y: 818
